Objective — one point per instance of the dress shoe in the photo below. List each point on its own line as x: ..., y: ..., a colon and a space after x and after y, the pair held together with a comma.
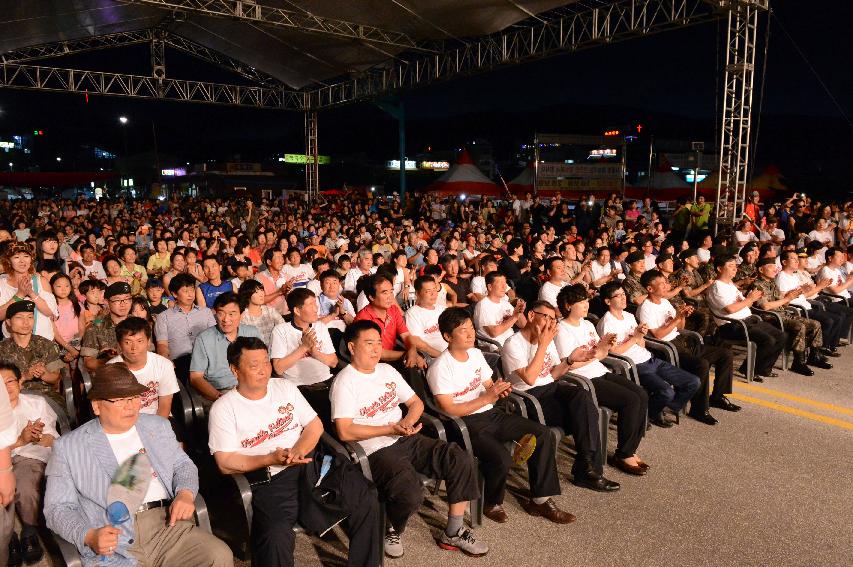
x: 705, y: 418
x: 625, y: 467
x: 723, y: 403
x: 496, y: 513
x: 31, y: 549
x: 819, y: 362
x: 660, y: 421
x: 595, y: 482
x: 831, y: 351
x: 644, y: 466
x: 15, y: 557
x: 800, y: 368
x: 549, y: 511
x: 769, y: 374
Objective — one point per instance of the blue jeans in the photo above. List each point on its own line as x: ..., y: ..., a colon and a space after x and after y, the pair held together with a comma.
x: 668, y: 385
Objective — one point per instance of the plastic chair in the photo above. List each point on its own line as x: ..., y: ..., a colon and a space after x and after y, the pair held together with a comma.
x: 776, y: 319
x: 745, y: 343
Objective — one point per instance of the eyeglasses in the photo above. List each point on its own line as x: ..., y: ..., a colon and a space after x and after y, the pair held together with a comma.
x: 125, y: 300
x: 545, y: 315
x: 124, y: 401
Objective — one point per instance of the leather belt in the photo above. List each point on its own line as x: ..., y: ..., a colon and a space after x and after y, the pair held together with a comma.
x: 153, y: 504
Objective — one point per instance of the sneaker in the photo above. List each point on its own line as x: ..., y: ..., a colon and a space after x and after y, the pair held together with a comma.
x: 393, y: 544
x: 463, y: 541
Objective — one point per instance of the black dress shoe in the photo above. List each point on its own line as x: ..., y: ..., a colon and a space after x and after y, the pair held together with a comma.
x: 31, y: 549
x: 769, y: 374
x: 15, y: 557
x: 832, y: 351
x: 819, y: 362
x: 661, y: 422
x: 596, y: 482
x: 800, y: 368
x: 723, y: 403
x: 705, y: 418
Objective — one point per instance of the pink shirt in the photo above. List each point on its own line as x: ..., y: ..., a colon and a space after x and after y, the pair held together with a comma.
x: 68, y: 323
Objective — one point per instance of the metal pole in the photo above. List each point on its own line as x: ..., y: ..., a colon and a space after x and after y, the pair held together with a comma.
x: 624, y: 165
x: 536, y: 165
x: 651, y: 155
x: 401, y: 127
x: 696, y: 175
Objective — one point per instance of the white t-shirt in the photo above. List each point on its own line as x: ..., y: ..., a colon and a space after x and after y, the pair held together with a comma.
x: 824, y: 236
x: 786, y: 282
x: 423, y: 323
x: 353, y: 276
x: 837, y: 278
x: 656, y: 315
x: 549, y: 291
x: 721, y: 294
x: 370, y: 399
x: 597, y: 271
x: 570, y: 338
x: 30, y: 408
x: 704, y: 255
x: 623, y: 329
x: 158, y: 375
x: 478, y: 285
x: 302, y: 274
x: 286, y: 338
x: 517, y: 353
x: 463, y: 381
x: 744, y: 237
x: 315, y: 287
x: 127, y: 444
x: 96, y: 268
x: 258, y: 427
x: 651, y: 261
x: 488, y: 313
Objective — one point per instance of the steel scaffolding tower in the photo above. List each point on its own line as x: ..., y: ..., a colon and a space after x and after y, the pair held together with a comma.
x: 737, y: 109
x: 312, y: 167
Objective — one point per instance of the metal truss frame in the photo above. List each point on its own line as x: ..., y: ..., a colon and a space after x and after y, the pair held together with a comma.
x: 304, y: 21
x: 312, y: 167
x: 737, y: 110
x: 73, y: 46
x: 33, y: 77
x: 222, y: 61
x: 544, y: 37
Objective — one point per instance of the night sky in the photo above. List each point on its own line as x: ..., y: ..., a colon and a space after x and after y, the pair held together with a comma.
x: 668, y: 81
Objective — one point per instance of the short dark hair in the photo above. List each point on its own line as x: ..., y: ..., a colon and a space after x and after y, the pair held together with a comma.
x: 132, y: 326
x: 356, y: 328
x: 648, y: 277
x: 269, y: 253
x: 226, y: 298
x: 297, y: 298
x: 329, y: 274
x: 397, y: 253
x: 549, y: 262
x: 570, y: 295
x: 492, y: 276
x: 181, y: 281
x: 87, y: 285
x: 722, y: 260
x: 451, y: 318
x: 600, y: 249
x: 419, y: 282
x: 609, y: 289
x: 830, y: 252
x: 373, y: 283
x: 235, y: 349
x: 11, y: 367
x: 541, y: 303
x: 317, y: 263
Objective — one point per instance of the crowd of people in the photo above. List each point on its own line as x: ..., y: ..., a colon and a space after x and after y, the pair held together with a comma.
x: 358, y: 319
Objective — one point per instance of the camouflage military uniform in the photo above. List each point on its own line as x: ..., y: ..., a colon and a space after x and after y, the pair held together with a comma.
x: 701, y: 321
x: 633, y: 287
x: 745, y: 272
x: 805, y: 332
x: 101, y: 335
x: 39, y: 350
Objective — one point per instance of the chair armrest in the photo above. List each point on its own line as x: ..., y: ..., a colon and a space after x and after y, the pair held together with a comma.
x: 736, y: 321
x: 525, y: 398
x: 197, y: 404
x: 202, y: 516
x: 624, y: 364
x: 245, y: 490
x: 797, y: 310
x: 359, y: 456
x: 435, y: 424
x: 457, y: 423
x: 483, y: 338
x: 87, y: 380
x: 334, y: 444
x: 693, y: 334
x: 68, y: 551
x: 771, y: 314
x: 187, y: 410
x: 583, y: 382
x: 662, y: 348
x: 67, y: 390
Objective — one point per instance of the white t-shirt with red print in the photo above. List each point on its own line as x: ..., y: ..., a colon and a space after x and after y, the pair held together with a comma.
x: 570, y: 337
x: 624, y: 329
x: 158, y: 375
x: 258, y: 427
x: 370, y: 399
x: 463, y: 381
x: 517, y: 353
x: 423, y: 323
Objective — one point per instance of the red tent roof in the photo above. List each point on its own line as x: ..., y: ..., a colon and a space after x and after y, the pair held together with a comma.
x: 464, y: 178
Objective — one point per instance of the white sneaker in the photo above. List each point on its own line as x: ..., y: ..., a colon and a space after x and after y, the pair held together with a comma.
x: 463, y: 541
x: 393, y: 544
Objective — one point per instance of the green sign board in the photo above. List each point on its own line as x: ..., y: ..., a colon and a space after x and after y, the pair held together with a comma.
x: 303, y: 159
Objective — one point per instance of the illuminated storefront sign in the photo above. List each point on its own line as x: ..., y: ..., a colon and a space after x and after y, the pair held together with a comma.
x: 303, y: 159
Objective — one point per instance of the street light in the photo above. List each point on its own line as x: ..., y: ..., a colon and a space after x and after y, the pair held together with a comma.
x: 58, y: 159
x: 123, y: 120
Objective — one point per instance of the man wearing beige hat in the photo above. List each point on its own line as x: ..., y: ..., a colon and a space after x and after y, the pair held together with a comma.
x: 161, y: 531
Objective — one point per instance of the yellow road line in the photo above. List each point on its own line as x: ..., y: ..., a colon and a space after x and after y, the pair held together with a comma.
x: 793, y: 398
x: 794, y: 411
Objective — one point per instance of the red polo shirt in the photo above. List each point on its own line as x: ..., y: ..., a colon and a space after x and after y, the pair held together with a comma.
x: 392, y: 326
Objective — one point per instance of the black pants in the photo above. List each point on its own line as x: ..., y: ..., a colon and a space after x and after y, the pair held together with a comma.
x: 395, y: 472
x: 838, y: 314
x: 317, y: 396
x: 571, y: 407
x: 275, y: 508
x: 630, y: 402
x: 698, y: 359
x: 489, y: 430
x: 769, y: 341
